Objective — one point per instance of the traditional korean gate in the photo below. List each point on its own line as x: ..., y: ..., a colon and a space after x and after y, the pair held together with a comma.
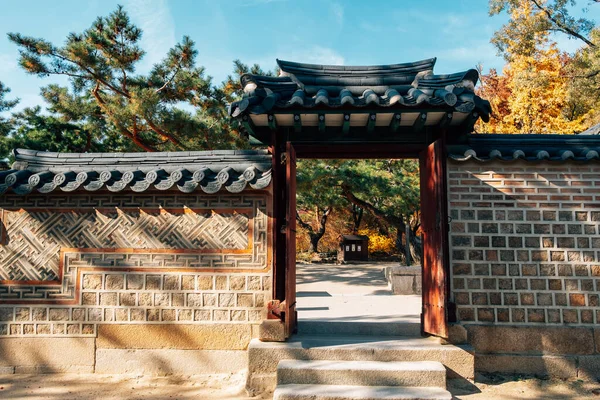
x: 434, y: 223
x: 361, y: 112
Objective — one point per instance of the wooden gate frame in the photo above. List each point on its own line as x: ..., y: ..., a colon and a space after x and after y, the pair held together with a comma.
x: 435, y: 315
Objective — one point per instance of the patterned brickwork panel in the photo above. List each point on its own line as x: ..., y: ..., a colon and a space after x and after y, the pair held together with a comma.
x: 525, y: 243
x: 44, y: 247
x: 70, y: 263
x: 35, y: 237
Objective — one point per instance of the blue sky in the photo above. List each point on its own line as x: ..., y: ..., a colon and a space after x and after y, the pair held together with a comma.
x: 259, y: 31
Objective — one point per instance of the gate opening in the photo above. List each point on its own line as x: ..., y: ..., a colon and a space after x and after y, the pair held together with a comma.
x: 358, y: 247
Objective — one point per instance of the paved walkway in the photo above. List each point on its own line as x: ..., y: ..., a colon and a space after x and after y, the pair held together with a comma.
x: 351, y: 292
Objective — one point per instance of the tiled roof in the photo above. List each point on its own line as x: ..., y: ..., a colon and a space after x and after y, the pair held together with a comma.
x: 209, y: 171
x: 399, y: 86
x: 531, y: 147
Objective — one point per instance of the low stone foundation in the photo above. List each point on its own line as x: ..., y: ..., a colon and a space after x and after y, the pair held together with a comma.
x: 557, y: 352
x: 159, y: 349
x: 404, y: 280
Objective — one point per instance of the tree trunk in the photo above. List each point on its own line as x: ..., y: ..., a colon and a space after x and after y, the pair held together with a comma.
x: 314, y: 242
x: 315, y: 236
x: 357, y: 214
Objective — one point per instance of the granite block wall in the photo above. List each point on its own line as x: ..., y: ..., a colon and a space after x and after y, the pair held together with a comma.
x: 525, y: 242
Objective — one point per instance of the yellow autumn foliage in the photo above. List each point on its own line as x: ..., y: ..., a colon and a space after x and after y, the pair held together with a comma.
x: 532, y: 95
x: 379, y: 242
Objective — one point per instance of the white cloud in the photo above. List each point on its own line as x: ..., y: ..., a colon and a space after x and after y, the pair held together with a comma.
x: 310, y: 55
x: 337, y: 10
x: 468, y: 57
x: 155, y: 19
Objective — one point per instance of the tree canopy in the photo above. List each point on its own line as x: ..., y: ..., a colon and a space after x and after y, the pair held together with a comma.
x: 153, y: 111
x: 541, y: 89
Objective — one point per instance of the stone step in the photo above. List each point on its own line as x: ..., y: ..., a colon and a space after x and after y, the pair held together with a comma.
x: 359, y: 328
x: 365, y: 373
x: 342, y: 392
x: 263, y: 357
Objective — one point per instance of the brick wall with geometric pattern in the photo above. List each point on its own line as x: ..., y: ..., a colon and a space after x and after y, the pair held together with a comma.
x: 525, y: 242
x: 71, y: 262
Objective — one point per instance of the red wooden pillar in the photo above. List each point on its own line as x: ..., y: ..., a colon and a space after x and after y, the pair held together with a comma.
x: 277, y: 150
x: 283, y: 306
x: 290, y: 237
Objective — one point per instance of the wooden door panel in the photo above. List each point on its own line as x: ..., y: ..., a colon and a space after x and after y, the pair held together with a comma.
x: 434, y: 221
x: 290, y: 237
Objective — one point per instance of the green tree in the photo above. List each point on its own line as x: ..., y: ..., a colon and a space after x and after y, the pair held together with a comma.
x: 33, y: 129
x: 151, y: 111
x: 387, y: 190
x: 390, y: 191
x: 318, y: 195
x: 6, y: 125
x: 526, y: 29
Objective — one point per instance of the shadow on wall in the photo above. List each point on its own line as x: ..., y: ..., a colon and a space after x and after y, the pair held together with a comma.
x: 155, y: 350
x: 523, y: 252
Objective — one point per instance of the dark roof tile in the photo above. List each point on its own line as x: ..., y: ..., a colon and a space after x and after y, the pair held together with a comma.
x: 44, y: 172
x: 306, y: 86
x: 530, y: 147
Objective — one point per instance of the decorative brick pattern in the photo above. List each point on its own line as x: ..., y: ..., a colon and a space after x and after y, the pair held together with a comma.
x: 186, y: 264
x: 525, y: 243
x: 50, y: 245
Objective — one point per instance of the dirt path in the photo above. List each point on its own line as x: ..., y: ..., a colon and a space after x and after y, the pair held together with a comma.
x: 502, y: 387
x: 96, y: 387
x: 92, y: 386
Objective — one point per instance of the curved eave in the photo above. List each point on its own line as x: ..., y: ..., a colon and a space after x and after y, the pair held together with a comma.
x: 355, y: 91
x: 209, y: 172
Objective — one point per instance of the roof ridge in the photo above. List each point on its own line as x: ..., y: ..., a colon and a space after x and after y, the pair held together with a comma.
x: 420, y: 65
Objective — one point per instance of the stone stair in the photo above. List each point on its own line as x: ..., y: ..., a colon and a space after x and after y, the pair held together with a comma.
x: 342, y: 392
x: 327, y: 380
x: 329, y: 367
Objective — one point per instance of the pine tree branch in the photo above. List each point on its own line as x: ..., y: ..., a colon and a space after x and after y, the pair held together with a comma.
x: 96, y: 94
x: 564, y: 28
x: 383, y: 216
x: 163, y: 134
x: 95, y: 76
x: 160, y: 89
x: 124, y: 131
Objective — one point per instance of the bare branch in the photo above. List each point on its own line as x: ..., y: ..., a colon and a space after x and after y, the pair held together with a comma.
x: 562, y: 26
x: 160, y: 89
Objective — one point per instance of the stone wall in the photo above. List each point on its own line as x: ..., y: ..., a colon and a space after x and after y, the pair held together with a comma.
x: 152, y: 265
x: 524, y: 243
x: 525, y: 264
